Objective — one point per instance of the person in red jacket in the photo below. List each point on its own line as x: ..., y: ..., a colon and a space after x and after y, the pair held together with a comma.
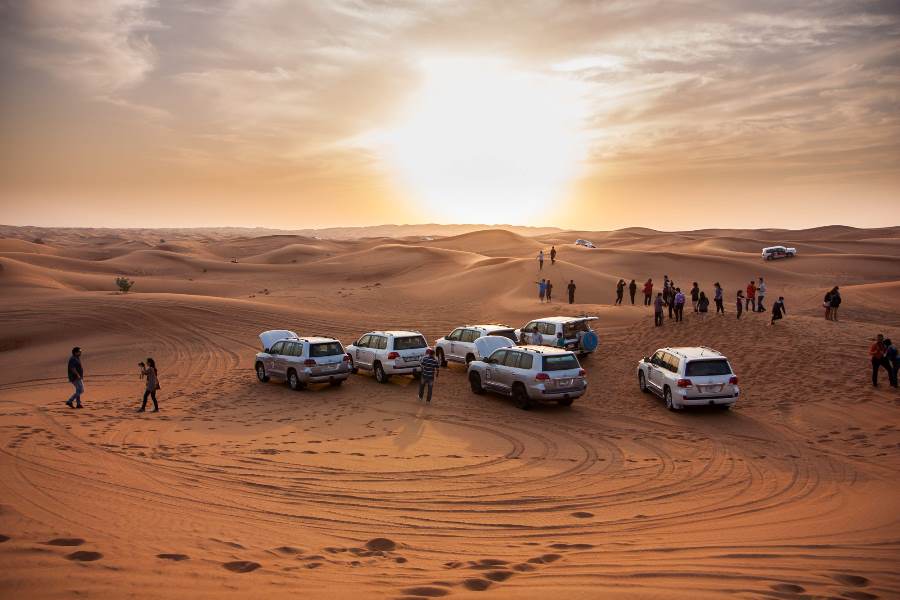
x: 648, y: 292
x: 751, y: 296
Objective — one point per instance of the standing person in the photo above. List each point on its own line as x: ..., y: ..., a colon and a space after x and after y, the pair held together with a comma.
x: 542, y: 288
x: 695, y: 296
x: 666, y: 284
x: 149, y: 371
x: 540, y: 258
x: 560, y: 340
x: 549, y: 291
x: 778, y: 310
x: 877, y: 354
x: 835, y: 302
x: 648, y: 292
x: 703, y: 304
x: 679, y: 304
x: 658, y: 310
x: 552, y: 255
x: 720, y: 299
x: 740, y: 303
x: 760, y: 295
x: 571, y: 288
x: 632, y: 290
x: 430, y: 367
x: 751, y: 296
x: 620, y: 291
x: 891, y: 356
x: 826, y: 304
x: 76, y: 378
x: 671, y: 298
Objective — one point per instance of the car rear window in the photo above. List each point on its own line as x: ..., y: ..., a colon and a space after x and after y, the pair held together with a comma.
x: 508, y: 333
x: 560, y: 362
x: 411, y: 342
x: 707, y: 368
x: 326, y: 349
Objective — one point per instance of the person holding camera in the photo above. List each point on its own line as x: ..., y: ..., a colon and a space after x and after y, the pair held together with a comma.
x: 148, y: 371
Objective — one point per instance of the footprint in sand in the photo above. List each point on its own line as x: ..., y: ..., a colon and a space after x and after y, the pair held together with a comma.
x: 851, y: 580
x: 426, y: 590
x: 3, y: 538
x: 788, y: 588
x: 524, y: 568
x: 84, y: 556
x: 476, y: 585
x: 499, y: 575
x: 545, y: 559
x: 381, y: 545
x: 856, y: 595
x: 241, y: 566
x: 175, y: 557
x: 65, y: 542
x: 571, y: 546
x: 582, y: 515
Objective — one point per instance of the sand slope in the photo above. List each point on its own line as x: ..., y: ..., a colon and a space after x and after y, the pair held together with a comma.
x: 239, y: 489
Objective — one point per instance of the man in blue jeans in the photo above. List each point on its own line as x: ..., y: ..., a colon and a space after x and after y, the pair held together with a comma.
x: 76, y: 378
x: 430, y: 368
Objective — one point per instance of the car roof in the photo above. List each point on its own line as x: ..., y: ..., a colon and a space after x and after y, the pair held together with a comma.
x: 563, y: 319
x: 495, y: 327
x: 694, y: 352
x: 395, y: 333
x: 318, y: 339
x: 542, y: 349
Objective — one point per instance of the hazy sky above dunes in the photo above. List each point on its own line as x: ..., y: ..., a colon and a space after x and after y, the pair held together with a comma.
x: 590, y: 115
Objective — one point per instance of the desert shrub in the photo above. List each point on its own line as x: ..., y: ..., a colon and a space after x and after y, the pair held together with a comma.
x: 124, y: 284
x: 38, y: 240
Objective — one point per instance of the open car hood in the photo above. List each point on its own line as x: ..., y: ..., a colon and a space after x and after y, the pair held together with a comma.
x: 267, y: 338
x: 486, y: 345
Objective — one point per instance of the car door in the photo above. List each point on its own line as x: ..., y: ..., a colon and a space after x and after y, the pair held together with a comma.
x: 528, y: 333
x: 466, y: 343
x: 492, y: 370
x: 453, y: 339
x: 511, y: 364
x: 361, y: 351
x: 277, y: 367
x: 671, y: 375
x: 655, y: 373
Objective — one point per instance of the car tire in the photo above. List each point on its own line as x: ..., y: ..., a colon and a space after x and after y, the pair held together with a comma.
x: 565, y: 402
x: 353, y: 368
x: 294, y: 381
x: 667, y: 396
x: 440, y: 357
x: 469, y: 358
x: 642, y: 382
x: 724, y: 407
x: 261, y: 374
x: 380, y: 375
x: 475, y: 383
x: 336, y: 382
x: 520, y: 397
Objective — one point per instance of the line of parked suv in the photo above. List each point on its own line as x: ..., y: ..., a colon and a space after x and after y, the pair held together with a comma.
x: 544, y: 368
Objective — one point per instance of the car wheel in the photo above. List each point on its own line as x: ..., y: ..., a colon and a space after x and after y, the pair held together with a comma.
x: 469, y: 358
x: 667, y: 394
x: 353, y: 368
x: 566, y: 402
x: 440, y: 357
x: 294, y: 380
x: 520, y: 397
x: 380, y: 375
x: 724, y: 406
x: 336, y: 382
x: 642, y: 382
x: 261, y: 373
x: 475, y: 382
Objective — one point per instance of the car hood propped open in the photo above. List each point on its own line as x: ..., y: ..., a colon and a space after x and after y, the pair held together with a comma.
x: 267, y: 338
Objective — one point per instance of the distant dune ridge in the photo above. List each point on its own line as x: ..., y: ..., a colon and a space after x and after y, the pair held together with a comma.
x: 241, y: 489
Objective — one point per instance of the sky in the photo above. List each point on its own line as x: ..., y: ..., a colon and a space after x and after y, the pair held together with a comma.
x: 584, y: 115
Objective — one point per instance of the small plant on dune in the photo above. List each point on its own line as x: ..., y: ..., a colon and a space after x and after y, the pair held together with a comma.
x: 124, y: 284
x: 162, y: 240
x: 38, y: 241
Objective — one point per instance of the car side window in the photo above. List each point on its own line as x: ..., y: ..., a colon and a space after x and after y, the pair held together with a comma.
x: 278, y: 348
x: 499, y: 356
x: 547, y: 329
x: 297, y: 349
x: 470, y: 335
x: 288, y: 349
x: 673, y: 363
x: 511, y: 359
x: 525, y: 360
x: 381, y: 342
x: 655, y: 359
x: 531, y: 327
x: 454, y: 337
x: 363, y: 342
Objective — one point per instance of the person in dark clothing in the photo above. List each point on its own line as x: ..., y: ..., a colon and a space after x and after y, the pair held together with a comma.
x: 632, y: 290
x: 877, y: 353
x: 720, y: 299
x: 552, y: 255
x: 679, y: 304
x: 620, y: 291
x: 695, y: 296
x: 658, y: 310
x: 670, y: 301
x: 893, y: 362
x: 430, y: 367
x: 648, y: 292
x: 826, y: 304
x: 778, y: 310
x: 149, y: 371
x: 835, y: 302
x: 571, y: 288
x: 703, y: 304
x: 549, y: 291
x: 740, y: 303
x: 76, y: 378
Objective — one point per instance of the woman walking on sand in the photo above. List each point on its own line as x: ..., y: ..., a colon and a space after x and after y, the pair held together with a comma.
x: 695, y: 296
x: 720, y: 299
x: 740, y: 303
x: 778, y: 310
x: 149, y: 371
x: 632, y: 290
x: 835, y: 302
x: 703, y: 305
x: 620, y: 291
x: 658, y: 310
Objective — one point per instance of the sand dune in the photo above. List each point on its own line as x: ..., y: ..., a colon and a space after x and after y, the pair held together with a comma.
x: 239, y: 489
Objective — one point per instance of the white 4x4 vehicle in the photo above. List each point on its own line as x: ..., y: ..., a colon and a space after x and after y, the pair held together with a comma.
x: 387, y: 353
x: 773, y: 252
x: 459, y: 345
x: 576, y: 332
x: 527, y: 373
x: 689, y: 377
x: 300, y: 361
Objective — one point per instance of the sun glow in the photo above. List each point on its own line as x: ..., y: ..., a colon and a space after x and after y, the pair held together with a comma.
x: 482, y: 142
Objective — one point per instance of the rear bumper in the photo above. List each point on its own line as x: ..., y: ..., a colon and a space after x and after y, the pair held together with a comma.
x: 563, y: 394
x: 339, y: 375
x: 411, y: 369
x: 708, y: 400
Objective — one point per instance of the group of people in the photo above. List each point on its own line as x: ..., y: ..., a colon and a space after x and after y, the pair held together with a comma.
x: 75, y: 374
x: 540, y: 257
x: 832, y: 303
x: 884, y: 355
x: 673, y: 298
x: 545, y: 290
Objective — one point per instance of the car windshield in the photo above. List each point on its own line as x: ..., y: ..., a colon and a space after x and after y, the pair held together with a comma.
x: 707, y: 368
x: 412, y: 342
x: 326, y: 349
x: 509, y: 333
x: 560, y: 362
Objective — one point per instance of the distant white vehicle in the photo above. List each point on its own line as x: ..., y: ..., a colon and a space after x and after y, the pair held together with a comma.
x: 585, y: 243
x: 301, y: 360
x: 694, y: 376
x: 773, y: 252
x: 387, y: 353
x: 576, y: 332
x: 459, y: 345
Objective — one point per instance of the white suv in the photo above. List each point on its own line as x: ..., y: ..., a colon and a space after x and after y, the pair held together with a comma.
x: 576, y: 332
x: 696, y: 376
x: 387, y: 353
x: 528, y: 373
x: 459, y: 345
x: 773, y: 252
x: 301, y: 360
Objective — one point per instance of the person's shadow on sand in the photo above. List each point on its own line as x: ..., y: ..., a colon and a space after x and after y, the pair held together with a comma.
x: 412, y: 430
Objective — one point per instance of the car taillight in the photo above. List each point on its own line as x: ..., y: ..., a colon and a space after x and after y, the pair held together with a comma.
x: 393, y: 355
x: 581, y: 372
x: 346, y: 358
x: 309, y: 362
x: 542, y: 377
x: 684, y: 383
x: 733, y: 381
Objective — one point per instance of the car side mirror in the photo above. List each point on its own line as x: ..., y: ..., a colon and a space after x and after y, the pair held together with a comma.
x: 489, y: 360
x: 266, y: 350
x: 646, y: 359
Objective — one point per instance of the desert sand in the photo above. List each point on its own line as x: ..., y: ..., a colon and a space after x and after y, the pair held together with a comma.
x: 238, y: 489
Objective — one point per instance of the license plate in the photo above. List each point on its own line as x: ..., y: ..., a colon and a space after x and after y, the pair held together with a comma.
x: 412, y: 358
x: 333, y: 367
x: 711, y: 388
x: 563, y: 382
